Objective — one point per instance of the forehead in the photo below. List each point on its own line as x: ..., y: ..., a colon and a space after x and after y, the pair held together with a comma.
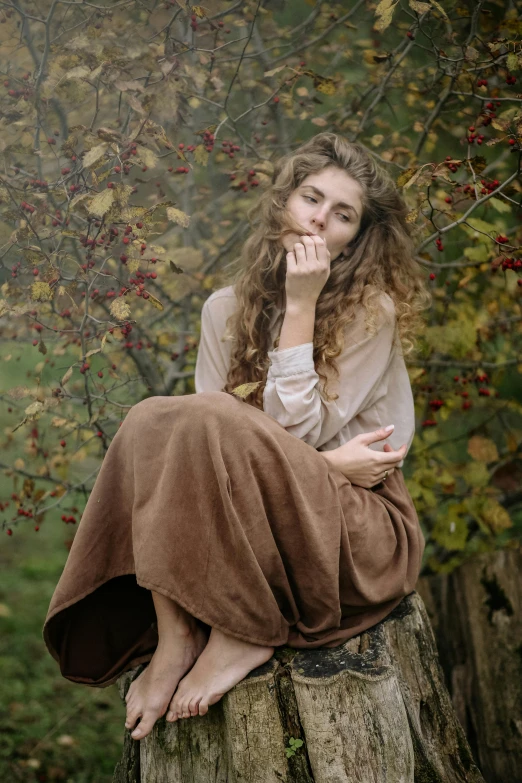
x: 335, y: 183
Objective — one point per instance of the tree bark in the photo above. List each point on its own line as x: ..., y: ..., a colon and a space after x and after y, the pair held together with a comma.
x: 374, y: 710
x: 476, y: 616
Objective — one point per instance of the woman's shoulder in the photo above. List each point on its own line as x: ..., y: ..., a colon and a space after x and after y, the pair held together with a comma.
x: 222, y: 301
x: 222, y: 295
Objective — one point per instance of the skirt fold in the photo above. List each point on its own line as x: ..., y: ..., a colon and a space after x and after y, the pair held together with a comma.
x: 214, y: 504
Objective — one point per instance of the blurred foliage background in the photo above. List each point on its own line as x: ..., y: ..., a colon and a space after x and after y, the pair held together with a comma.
x: 134, y: 136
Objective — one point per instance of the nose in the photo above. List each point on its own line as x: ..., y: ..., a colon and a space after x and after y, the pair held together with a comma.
x: 319, y: 220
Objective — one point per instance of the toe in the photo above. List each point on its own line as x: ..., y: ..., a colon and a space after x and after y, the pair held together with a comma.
x: 145, y: 726
x: 194, y: 707
x: 132, y: 717
x: 203, y: 707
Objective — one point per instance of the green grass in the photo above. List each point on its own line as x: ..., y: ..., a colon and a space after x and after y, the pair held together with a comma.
x: 50, y: 728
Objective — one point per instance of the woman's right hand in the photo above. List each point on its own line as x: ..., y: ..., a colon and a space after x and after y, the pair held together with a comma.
x: 364, y: 466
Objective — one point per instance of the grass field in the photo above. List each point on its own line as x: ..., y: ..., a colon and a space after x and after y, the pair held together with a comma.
x: 50, y: 728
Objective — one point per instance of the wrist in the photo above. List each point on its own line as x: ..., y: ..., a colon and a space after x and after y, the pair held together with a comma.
x: 329, y: 456
x: 298, y: 307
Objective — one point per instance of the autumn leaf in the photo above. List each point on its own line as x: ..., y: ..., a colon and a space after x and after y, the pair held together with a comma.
x: 67, y: 375
x: 101, y: 203
x: 34, y: 409
x: 496, y: 516
x: 244, y: 389
x: 94, y: 154
x: 201, y: 155
x: 178, y: 216
x: 41, y: 292
x: 120, y: 309
x: 153, y: 301
x: 384, y: 11
x: 482, y: 449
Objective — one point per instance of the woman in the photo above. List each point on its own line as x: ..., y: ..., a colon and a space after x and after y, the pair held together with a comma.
x: 222, y: 526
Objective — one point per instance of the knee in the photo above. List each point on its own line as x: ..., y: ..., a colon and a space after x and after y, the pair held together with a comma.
x: 198, y: 407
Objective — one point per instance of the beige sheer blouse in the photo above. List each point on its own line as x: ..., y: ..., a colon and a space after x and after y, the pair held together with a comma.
x: 374, y: 387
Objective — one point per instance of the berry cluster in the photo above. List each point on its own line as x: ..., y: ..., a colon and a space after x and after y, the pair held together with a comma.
x: 470, y: 138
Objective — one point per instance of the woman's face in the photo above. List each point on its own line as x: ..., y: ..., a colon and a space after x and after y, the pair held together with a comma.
x: 328, y: 204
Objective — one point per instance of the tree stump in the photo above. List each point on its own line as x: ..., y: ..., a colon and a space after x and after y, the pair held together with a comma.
x: 476, y: 613
x: 375, y: 710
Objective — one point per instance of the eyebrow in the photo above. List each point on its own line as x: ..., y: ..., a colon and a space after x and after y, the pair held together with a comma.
x: 339, y: 204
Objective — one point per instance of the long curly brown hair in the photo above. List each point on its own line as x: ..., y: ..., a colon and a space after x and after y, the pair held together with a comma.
x: 380, y: 260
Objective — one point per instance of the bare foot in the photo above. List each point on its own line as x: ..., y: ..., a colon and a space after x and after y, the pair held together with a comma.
x: 149, y: 695
x: 222, y: 664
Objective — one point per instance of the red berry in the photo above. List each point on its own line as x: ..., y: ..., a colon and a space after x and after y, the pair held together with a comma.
x: 63, y: 443
x: 9, y: 531
x: 110, y: 184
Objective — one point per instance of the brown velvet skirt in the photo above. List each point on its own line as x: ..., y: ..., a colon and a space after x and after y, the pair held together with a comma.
x: 212, y: 503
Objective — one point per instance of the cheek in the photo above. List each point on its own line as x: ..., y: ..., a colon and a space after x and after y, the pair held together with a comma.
x: 295, y: 208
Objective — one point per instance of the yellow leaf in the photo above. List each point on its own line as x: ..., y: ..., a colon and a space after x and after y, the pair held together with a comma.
x: 439, y: 9
x: 67, y: 376
x: 58, y: 421
x: 178, y: 217
x: 482, y: 449
x: 512, y: 62
x: 147, y: 157
x: 34, y: 408
x: 91, y: 353
x: 120, y: 309
x: 94, y: 154
x: 496, y: 516
x: 101, y: 203
x: 201, y: 155
x: 244, y: 389
x: 41, y: 292
x: 275, y: 70
x: 421, y: 8
x: 385, y: 11
x: 476, y: 474
x: 156, y: 302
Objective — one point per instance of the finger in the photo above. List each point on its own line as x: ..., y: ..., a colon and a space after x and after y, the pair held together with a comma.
x: 308, y: 245
x: 387, y: 458
x: 300, y: 253
x: 380, y: 434
x: 291, y: 259
x: 323, y: 254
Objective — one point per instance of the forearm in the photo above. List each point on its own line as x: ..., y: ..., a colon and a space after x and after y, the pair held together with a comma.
x: 298, y: 326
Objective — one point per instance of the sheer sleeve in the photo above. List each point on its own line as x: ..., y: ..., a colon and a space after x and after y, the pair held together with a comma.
x: 213, y: 357
x: 291, y: 395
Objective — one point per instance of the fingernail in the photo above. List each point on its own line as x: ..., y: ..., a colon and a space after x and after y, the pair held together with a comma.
x: 389, y: 427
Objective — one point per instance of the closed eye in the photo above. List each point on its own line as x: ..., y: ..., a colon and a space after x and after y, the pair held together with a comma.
x: 339, y: 213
